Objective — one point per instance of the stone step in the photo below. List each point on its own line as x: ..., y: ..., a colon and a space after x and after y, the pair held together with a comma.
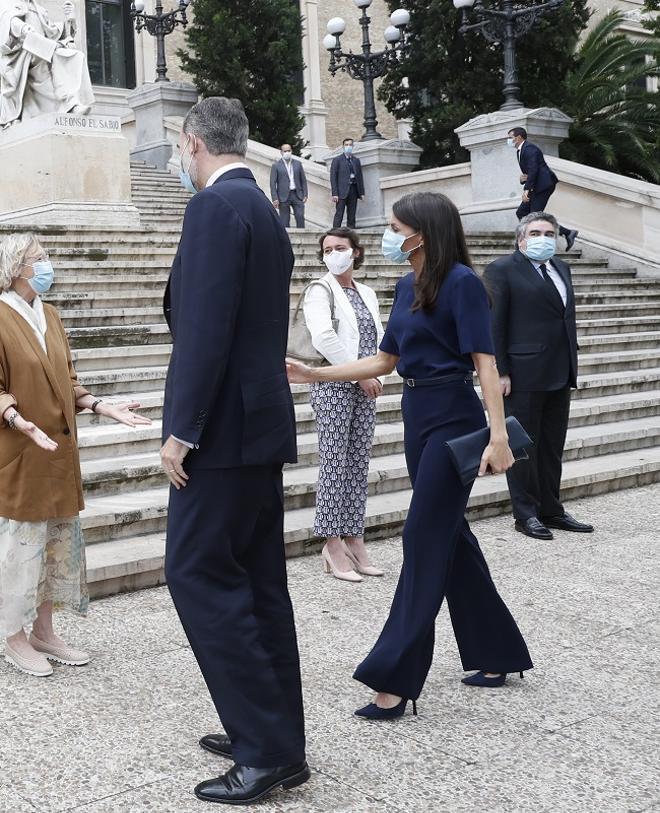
x: 123, y: 335
x: 108, y: 358
x: 134, y: 557
x: 142, y: 468
x: 101, y: 300
x: 133, y: 380
x: 628, y: 324
x: 97, y: 317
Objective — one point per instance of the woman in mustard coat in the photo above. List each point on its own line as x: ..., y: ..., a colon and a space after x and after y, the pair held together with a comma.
x: 42, y: 556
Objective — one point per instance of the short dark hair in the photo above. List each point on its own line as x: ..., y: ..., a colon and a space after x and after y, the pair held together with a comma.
x: 347, y: 234
x: 518, y: 131
x: 352, y: 140
x: 437, y: 220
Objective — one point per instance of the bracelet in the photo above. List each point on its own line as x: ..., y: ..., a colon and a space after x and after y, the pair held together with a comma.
x: 95, y: 404
x: 11, y: 423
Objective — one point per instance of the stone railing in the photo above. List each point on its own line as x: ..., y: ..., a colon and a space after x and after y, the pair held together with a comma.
x: 260, y: 158
x: 614, y: 214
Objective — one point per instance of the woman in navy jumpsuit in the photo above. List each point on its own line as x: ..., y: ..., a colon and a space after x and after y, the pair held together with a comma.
x: 438, y: 331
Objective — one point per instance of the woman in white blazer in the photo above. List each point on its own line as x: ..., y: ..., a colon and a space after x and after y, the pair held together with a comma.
x: 345, y: 411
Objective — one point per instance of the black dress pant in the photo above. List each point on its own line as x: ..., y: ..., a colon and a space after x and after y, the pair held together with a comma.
x: 226, y: 572
x: 534, y: 484
x: 292, y: 202
x: 441, y: 558
x: 537, y: 203
x: 349, y: 205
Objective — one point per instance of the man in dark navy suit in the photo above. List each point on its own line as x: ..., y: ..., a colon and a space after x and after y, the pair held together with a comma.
x: 228, y: 426
x: 535, y: 334
x: 538, y: 180
x: 347, y: 184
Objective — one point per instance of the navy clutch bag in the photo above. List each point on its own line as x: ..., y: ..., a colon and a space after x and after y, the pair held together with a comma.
x: 467, y: 450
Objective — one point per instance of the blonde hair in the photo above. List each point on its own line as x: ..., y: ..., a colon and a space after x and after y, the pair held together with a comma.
x: 13, y: 250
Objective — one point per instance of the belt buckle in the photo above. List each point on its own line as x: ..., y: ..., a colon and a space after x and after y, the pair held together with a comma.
x: 410, y: 382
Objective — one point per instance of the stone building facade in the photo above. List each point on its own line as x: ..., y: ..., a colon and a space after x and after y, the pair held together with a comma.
x: 121, y: 60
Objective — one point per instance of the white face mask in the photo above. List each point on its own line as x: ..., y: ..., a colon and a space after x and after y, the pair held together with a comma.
x: 338, y: 262
x: 286, y: 156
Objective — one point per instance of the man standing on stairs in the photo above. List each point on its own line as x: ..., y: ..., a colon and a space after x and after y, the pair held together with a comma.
x: 538, y: 180
x: 288, y: 187
x: 535, y: 333
x: 347, y: 184
x: 228, y: 427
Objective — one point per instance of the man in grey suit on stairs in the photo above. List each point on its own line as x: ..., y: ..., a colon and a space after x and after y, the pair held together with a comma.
x: 288, y: 187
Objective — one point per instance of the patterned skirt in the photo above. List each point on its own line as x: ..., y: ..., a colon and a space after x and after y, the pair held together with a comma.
x: 40, y: 561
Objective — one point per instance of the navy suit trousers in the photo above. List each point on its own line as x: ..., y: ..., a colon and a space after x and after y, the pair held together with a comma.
x: 226, y: 572
x: 441, y: 557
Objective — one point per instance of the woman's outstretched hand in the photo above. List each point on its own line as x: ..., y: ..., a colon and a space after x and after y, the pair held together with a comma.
x: 123, y: 413
x: 35, y: 434
x: 497, y: 458
x: 298, y: 373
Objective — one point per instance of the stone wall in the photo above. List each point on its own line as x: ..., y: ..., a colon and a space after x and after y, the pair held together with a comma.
x: 342, y: 95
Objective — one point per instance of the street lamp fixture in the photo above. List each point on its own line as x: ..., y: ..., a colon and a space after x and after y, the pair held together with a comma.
x: 368, y: 65
x: 504, y: 25
x: 159, y: 25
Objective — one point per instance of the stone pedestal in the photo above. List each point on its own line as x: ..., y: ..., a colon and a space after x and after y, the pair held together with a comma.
x: 66, y: 169
x: 152, y: 104
x: 379, y: 159
x: 496, y: 188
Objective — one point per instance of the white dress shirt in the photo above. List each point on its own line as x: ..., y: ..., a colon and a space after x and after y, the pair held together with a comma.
x: 289, y: 169
x: 210, y: 182
x: 554, y: 275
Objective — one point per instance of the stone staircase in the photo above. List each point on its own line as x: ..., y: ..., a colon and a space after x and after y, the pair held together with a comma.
x: 109, y: 290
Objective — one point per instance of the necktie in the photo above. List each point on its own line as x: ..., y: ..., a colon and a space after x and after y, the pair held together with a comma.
x: 544, y: 270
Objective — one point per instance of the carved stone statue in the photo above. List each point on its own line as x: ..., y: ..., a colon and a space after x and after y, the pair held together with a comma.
x: 41, y: 70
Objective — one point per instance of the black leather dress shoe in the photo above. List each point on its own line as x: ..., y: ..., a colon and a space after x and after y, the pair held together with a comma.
x: 243, y: 786
x: 533, y: 527
x: 570, y: 239
x: 568, y: 523
x: 217, y: 744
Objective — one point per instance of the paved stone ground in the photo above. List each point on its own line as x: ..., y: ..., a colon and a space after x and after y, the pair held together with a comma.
x: 580, y: 733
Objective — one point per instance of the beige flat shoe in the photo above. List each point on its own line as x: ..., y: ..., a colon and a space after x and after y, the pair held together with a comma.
x: 330, y: 567
x: 34, y: 664
x: 367, y: 570
x: 62, y: 654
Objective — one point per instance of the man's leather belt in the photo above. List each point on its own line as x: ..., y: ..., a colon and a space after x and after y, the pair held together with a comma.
x: 442, y: 379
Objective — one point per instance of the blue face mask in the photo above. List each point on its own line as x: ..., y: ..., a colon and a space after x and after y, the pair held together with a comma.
x: 184, y: 174
x: 348, y: 149
x: 540, y: 248
x: 391, y: 246
x: 43, y: 276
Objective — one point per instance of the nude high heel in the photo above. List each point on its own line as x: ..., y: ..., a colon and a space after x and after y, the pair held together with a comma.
x: 329, y: 567
x: 366, y: 570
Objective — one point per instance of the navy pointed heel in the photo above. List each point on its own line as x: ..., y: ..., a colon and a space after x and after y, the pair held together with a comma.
x: 480, y: 679
x: 374, y: 712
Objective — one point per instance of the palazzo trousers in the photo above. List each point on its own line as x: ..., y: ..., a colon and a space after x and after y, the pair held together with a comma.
x: 441, y: 557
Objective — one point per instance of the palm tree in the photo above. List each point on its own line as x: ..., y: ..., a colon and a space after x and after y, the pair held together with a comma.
x: 616, y: 119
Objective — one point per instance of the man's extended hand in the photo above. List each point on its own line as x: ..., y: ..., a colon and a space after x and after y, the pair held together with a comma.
x: 172, y: 456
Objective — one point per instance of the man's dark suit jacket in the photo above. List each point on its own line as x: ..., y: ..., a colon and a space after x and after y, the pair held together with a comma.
x: 227, y: 306
x: 532, y: 163
x: 535, y: 336
x: 279, y: 181
x: 340, y: 176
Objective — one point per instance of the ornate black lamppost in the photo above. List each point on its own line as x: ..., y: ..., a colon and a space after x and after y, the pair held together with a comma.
x: 505, y: 24
x: 159, y: 25
x: 368, y: 65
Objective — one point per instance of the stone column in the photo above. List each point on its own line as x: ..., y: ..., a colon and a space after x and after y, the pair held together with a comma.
x: 496, y: 188
x: 313, y: 109
x: 152, y: 103
x: 379, y: 159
